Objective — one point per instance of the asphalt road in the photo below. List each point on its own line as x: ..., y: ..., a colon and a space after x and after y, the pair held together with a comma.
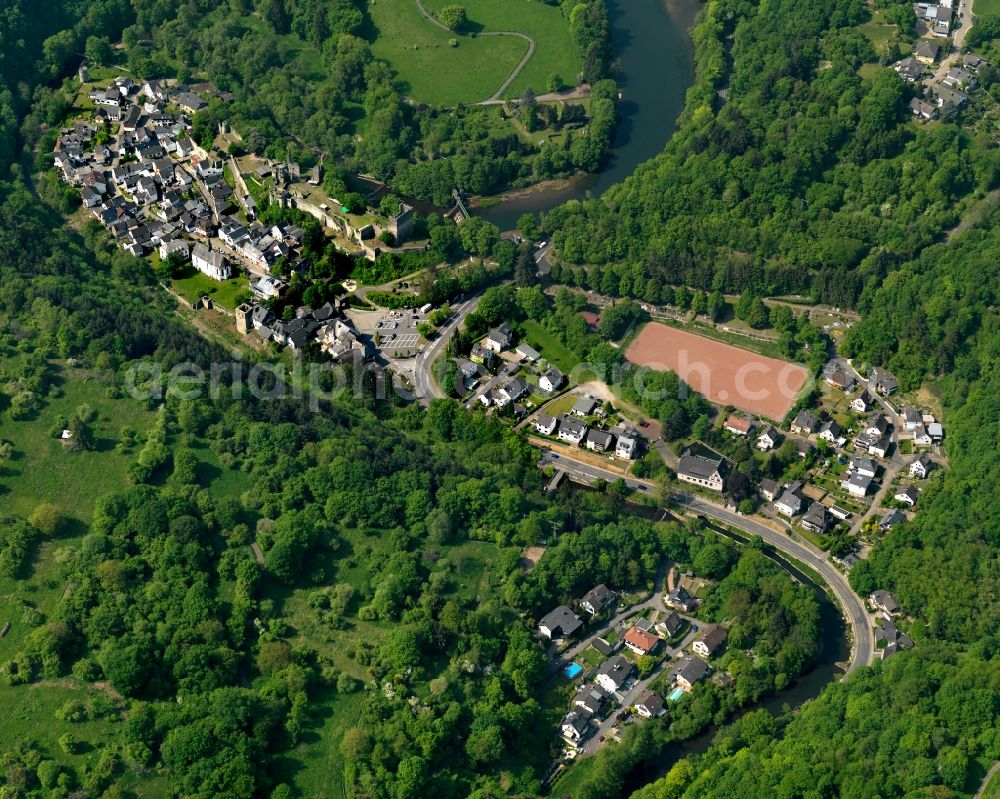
x: 424, y: 384
x: 863, y: 649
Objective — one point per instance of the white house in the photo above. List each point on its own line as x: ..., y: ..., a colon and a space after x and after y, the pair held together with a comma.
x: 551, y: 379
x: 546, y: 424
x: 788, y: 504
x: 614, y: 673
x: 210, y: 262
x: 908, y: 495
x: 857, y: 485
x: 499, y: 338
x: 571, y: 430
x: 922, y: 466
x: 707, y: 472
x: 768, y: 439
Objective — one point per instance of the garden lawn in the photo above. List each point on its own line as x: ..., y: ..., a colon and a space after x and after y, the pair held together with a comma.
x: 555, y: 51
x: 428, y: 69
x: 549, y: 347
x: 227, y: 293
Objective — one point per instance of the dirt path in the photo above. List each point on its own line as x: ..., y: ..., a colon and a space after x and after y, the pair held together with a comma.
x: 255, y: 548
x: 495, y: 97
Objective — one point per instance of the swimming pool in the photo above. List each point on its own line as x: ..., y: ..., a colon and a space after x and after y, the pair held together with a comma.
x: 676, y: 694
x: 572, y: 670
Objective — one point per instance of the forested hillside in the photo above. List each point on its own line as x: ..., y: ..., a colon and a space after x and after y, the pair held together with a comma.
x: 807, y: 178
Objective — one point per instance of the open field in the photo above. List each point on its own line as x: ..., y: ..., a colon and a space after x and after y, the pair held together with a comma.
x: 549, y: 347
x: 554, y: 53
x: 431, y: 71
x: 724, y: 374
x: 227, y: 293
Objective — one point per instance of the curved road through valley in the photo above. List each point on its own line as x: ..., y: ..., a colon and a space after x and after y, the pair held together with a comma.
x: 495, y: 97
x: 863, y: 649
x: 424, y: 384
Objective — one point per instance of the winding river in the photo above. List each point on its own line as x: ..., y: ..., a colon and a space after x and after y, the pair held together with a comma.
x: 655, y: 56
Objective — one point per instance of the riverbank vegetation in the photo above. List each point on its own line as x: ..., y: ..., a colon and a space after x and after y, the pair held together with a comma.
x: 804, y: 178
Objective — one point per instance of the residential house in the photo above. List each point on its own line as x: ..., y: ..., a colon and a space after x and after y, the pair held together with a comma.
x: 830, y: 432
x: 866, y: 467
x: 926, y: 51
x: 559, y: 623
x: 710, y: 641
x: 738, y: 426
x: 597, y: 599
x: 857, y: 485
x: 960, y: 79
x: 614, y: 673
x: 910, y: 69
x: 628, y: 444
x: 881, y: 447
x: 863, y: 402
x: 701, y: 470
x: 268, y: 287
x: 815, y: 519
x: 575, y: 727
x: 571, y: 430
x: 479, y: 354
x: 936, y: 432
x: 671, y: 625
x: 642, y: 642
x: 527, y: 353
x: 584, y: 406
x: 650, y: 705
x: 210, y: 262
x: 885, y: 602
x: 499, y: 338
x: 680, y: 599
x: 691, y: 672
x: 839, y: 378
x: 514, y: 389
x: 546, y: 424
x: 190, y: 102
x: 469, y: 371
x: 551, y: 379
x: 908, y: 494
x: 789, y: 503
x: 769, y: 489
x: 592, y: 699
x: 921, y: 437
x: 890, y: 639
x: 768, y: 439
x: 974, y: 62
x: 804, y: 423
x: 923, y: 110
x: 599, y: 440
x: 180, y: 246
x: 912, y: 419
x: 890, y: 519
x: 884, y: 382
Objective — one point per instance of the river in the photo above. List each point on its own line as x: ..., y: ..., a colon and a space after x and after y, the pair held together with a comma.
x: 656, y: 58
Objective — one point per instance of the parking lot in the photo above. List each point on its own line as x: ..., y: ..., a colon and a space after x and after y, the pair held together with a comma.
x: 397, y: 331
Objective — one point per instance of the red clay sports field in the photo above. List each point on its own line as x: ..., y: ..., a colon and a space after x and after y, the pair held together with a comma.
x: 722, y: 373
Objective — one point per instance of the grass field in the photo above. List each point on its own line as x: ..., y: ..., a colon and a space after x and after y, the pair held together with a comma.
x: 549, y: 347
x: 227, y: 293
x: 431, y: 71
x: 982, y: 8
x: 554, y: 49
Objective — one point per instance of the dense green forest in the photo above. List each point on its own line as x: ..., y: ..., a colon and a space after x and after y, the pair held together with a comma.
x: 807, y: 178
x: 391, y: 613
